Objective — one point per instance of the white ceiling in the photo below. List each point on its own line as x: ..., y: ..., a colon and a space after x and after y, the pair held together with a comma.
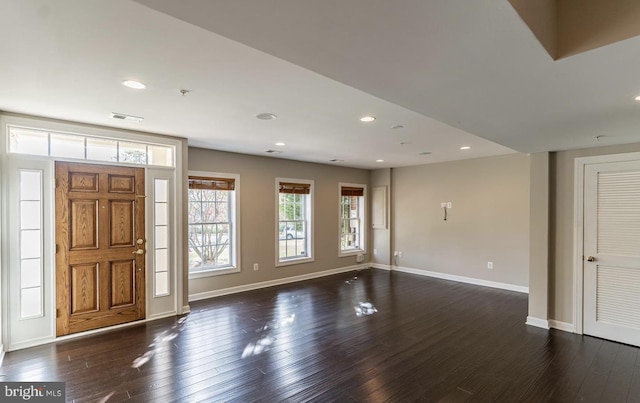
x: 451, y: 72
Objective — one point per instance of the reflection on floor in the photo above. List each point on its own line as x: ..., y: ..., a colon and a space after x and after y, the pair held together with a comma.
x: 362, y: 336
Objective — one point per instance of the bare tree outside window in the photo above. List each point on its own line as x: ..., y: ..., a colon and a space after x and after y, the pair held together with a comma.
x: 209, y: 229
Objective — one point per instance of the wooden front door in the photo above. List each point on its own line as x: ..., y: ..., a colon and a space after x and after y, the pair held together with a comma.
x: 100, y: 245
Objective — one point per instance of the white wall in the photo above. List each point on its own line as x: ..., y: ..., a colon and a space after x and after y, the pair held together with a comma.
x: 489, y: 220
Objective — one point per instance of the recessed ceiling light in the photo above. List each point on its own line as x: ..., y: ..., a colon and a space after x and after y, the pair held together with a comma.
x: 638, y: 98
x: 379, y: 160
x: 397, y: 127
x: 266, y: 116
x: 367, y: 119
x: 280, y: 144
x: 134, y: 84
x: 465, y: 148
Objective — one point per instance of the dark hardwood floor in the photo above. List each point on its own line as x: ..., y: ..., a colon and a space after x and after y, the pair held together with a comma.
x: 371, y: 336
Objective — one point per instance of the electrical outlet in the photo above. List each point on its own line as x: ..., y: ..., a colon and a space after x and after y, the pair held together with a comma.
x: 399, y: 254
x: 255, y: 267
x: 375, y: 251
x: 449, y: 204
x: 443, y: 204
x: 395, y: 253
x: 489, y: 265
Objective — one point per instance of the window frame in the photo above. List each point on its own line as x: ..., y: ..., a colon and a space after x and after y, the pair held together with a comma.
x: 47, y: 134
x: 362, y: 206
x: 309, y: 213
x: 234, y: 228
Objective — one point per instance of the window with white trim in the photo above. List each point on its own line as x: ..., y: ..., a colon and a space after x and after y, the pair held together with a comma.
x: 352, y: 214
x: 161, y: 229
x: 294, y: 237
x: 29, y: 141
x: 31, y: 240
x: 212, y: 224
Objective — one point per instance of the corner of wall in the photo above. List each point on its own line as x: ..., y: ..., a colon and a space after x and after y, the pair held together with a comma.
x: 537, y: 322
x: 539, y: 203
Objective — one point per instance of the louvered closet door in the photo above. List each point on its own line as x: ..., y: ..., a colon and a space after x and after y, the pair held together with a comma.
x: 612, y: 251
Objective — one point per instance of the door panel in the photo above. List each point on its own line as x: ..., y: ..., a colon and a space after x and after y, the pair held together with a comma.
x: 84, y: 288
x: 121, y: 184
x: 84, y: 224
x: 100, y: 279
x: 83, y: 182
x: 121, y: 223
x: 123, y: 280
x: 612, y: 251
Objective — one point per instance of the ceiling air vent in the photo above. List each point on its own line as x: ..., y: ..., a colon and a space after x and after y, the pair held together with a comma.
x: 273, y: 152
x: 122, y: 116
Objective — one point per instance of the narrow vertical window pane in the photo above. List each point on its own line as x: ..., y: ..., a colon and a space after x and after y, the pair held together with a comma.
x: 162, y: 283
x: 67, y: 146
x: 30, y: 302
x: 30, y: 215
x: 162, y: 235
x: 161, y: 214
x: 30, y: 244
x: 162, y: 260
x: 161, y: 190
x: 351, y: 223
x: 102, y: 149
x: 30, y: 185
x: 30, y: 273
x: 24, y: 141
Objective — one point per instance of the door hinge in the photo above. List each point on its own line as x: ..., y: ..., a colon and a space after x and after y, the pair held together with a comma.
x: 57, y: 248
x: 57, y: 313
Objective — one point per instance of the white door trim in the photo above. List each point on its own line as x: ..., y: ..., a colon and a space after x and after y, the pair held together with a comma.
x: 578, y: 229
x: 8, y: 160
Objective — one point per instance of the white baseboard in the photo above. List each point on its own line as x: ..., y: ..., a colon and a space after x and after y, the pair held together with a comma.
x: 380, y: 266
x: 186, y: 309
x: 1, y: 354
x: 53, y: 339
x: 30, y: 343
x: 564, y: 326
x: 161, y: 315
x: 271, y: 283
x: 461, y: 279
x: 537, y: 322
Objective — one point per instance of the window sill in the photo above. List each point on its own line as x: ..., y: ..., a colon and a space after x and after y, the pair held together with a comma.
x: 353, y: 252
x: 213, y: 272
x: 290, y: 262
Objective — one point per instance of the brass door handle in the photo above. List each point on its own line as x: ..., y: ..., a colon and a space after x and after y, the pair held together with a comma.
x: 138, y: 252
x: 591, y: 259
